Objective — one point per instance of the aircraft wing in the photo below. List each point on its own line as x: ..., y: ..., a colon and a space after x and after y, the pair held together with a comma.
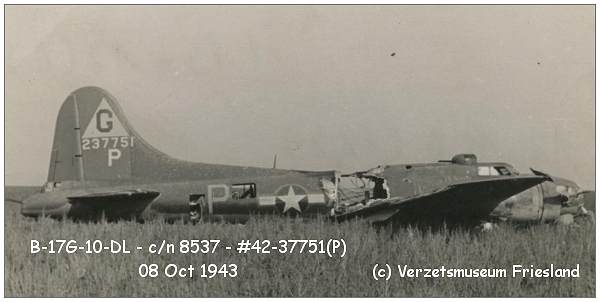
x: 463, y: 202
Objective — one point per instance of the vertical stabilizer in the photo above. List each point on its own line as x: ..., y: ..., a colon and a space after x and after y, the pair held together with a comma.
x: 93, y: 141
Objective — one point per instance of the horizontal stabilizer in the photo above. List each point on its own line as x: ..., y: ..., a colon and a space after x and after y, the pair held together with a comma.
x: 13, y: 200
x: 113, y: 205
x: 118, y: 196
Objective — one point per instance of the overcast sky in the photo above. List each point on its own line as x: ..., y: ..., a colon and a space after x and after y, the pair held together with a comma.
x: 324, y: 87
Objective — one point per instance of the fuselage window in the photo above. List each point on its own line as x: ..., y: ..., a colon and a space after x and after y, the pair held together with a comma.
x: 241, y: 191
x: 483, y: 171
x: 492, y: 171
x: 502, y: 170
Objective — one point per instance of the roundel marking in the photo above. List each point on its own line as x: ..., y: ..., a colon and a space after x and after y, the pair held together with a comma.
x: 292, y: 198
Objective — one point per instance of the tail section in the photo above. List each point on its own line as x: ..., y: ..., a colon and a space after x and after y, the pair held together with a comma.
x: 93, y: 141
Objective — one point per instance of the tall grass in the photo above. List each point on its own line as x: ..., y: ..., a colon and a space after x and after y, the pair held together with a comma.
x: 294, y: 275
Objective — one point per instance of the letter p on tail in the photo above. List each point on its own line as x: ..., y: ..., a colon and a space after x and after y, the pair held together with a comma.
x: 113, y: 154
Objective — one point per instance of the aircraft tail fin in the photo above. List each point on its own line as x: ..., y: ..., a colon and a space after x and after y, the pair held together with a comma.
x: 93, y: 141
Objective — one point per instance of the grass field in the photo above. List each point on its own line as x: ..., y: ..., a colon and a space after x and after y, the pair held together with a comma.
x: 295, y: 275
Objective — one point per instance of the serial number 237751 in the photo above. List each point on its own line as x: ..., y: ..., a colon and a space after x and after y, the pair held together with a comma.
x: 107, y: 142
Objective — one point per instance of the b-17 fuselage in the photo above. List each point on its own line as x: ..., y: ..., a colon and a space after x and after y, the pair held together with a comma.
x: 101, y: 167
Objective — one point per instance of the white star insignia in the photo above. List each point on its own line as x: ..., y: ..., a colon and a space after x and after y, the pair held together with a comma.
x: 291, y: 200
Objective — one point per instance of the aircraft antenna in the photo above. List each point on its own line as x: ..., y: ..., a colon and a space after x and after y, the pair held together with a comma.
x: 275, y: 161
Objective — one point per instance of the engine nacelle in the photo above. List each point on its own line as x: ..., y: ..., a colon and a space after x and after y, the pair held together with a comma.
x: 545, y: 202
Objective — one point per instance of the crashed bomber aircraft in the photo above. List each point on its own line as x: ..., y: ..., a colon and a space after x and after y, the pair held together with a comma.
x: 100, y: 166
